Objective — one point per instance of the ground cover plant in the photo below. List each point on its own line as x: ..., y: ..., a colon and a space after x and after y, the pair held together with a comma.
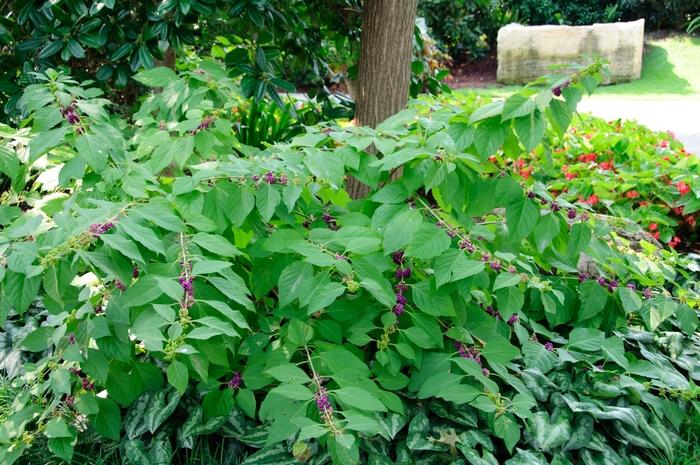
x: 624, y: 169
x: 163, y: 285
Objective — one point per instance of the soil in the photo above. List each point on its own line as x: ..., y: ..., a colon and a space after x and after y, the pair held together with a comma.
x: 473, y: 73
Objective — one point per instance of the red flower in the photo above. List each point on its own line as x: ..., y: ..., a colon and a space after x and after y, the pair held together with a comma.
x: 690, y: 220
x: 592, y: 200
x: 655, y: 235
x: 632, y: 194
x: 675, y: 241
x: 521, y: 162
x: 587, y: 157
x: 653, y: 227
x: 682, y: 187
x: 570, y: 176
x: 643, y: 203
x: 493, y: 159
x: 606, y: 165
x: 667, y: 158
x: 663, y: 144
x: 678, y: 211
x: 526, y: 172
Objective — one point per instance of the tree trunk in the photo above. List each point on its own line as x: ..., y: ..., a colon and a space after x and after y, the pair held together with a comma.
x: 384, y: 74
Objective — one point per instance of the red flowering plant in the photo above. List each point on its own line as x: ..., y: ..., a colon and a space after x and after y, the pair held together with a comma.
x: 623, y: 169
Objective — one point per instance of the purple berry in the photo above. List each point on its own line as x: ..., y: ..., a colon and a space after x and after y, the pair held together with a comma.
x: 549, y: 346
x: 495, y: 265
x: 398, y: 309
x: 235, y: 381
x: 571, y: 214
x: 485, y: 371
x: 397, y: 257
x: 632, y: 286
x: 555, y: 206
x: 513, y: 319
x: 400, y: 299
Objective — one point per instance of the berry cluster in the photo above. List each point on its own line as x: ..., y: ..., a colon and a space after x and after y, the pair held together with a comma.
x: 204, y: 124
x: 556, y: 90
x: 85, y: 382
x: 185, y: 281
x: 98, y: 229
x: 322, y: 402
x: 330, y: 221
x: 471, y: 353
x: 235, y: 381
x: 71, y: 115
x: 402, y: 272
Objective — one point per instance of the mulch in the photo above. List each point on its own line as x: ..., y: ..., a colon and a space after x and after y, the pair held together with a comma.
x: 473, y: 73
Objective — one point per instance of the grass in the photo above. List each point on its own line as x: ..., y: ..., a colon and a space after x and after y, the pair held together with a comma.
x: 670, y: 70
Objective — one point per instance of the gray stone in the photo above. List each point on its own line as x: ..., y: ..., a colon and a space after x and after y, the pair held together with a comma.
x: 527, y: 52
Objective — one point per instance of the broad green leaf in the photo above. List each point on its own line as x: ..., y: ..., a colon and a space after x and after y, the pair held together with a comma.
x: 359, y: 398
x: 178, y: 376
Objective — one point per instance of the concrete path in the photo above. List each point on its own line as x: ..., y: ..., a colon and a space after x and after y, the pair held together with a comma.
x: 681, y: 116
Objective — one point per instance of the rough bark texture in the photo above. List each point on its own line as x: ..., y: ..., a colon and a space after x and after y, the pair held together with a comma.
x: 384, y: 72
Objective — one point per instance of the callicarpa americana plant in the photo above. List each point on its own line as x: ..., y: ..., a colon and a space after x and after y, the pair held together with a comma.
x: 163, y: 284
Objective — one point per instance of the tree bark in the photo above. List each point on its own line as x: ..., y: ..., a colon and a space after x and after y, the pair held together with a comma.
x: 384, y: 74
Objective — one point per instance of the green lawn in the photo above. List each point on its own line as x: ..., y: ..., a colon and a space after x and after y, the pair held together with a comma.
x: 670, y: 70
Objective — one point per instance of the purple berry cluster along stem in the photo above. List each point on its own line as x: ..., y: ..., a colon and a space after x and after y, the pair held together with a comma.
x: 71, y: 115
x: 204, y: 124
x: 98, y: 229
x: 186, y: 277
x: 471, y: 353
x: 403, y: 272
x: 330, y: 221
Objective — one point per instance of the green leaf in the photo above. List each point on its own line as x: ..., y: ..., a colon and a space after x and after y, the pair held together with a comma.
x: 428, y: 242
x: 293, y: 391
x: 518, y: 105
x: 614, y: 350
x: 267, y: 198
x: 586, y: 339
x: 202, y: 267
x: 45, y: 141
x: 161, y: 215
x: 549, y: 436
x: 462, y: 134
x: 487, y: 111
x: 178, y: 376
x: 215, y: 244
x: 288, y: 373
x: 504, y: 280
x: 454, y: 265
x: 489, y: 136
x: 39, y: 340
x: 359, y: 398
x: 593, y: 299
x: 291, y: 280
x: 156, y: 77
x: 498, y: 350
x: 530, y: 129
x: 107, y: 421
x: 142, y: 234
x: 521, y: 217
x: 20, y: 290
x: 631, y: 302
x: 507, y: 429
x: 401, y: 229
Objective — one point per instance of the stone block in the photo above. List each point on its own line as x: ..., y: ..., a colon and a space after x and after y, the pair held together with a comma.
x: 527, y: 52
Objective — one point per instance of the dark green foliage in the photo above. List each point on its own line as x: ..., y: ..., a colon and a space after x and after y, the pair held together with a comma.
x: 167, y: 287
